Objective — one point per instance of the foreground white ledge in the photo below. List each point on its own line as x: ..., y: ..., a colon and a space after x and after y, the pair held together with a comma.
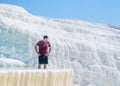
x: 58, y: 77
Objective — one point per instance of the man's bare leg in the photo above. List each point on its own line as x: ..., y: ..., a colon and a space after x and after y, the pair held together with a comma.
x: 39, y: 66
x: 45, y: 66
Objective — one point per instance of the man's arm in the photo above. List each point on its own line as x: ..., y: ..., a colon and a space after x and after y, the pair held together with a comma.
x: 49, y: 49
x: 36, y: 49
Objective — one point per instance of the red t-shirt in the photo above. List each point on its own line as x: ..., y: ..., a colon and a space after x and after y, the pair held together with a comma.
x: 44, y: 47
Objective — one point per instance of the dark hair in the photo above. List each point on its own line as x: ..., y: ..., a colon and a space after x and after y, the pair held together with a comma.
x: 45, y: 36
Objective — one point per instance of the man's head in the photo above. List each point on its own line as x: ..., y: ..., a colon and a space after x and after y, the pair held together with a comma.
x: 45, y: 37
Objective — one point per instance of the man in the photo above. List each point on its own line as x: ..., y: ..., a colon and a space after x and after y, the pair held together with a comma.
x: 43, y: 48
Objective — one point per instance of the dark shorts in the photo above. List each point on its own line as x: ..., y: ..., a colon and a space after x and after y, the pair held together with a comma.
x: 43, y: 59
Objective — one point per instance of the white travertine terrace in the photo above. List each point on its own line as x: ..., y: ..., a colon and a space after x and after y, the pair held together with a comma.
x: 36, y: 77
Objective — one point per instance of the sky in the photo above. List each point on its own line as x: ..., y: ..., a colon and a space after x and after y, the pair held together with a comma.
x: 99, y: 11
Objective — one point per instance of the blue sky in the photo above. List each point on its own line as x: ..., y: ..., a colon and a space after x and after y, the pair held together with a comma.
x: 99, y: 11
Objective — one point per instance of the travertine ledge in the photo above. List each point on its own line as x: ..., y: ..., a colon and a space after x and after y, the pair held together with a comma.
x: 59, y: 77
